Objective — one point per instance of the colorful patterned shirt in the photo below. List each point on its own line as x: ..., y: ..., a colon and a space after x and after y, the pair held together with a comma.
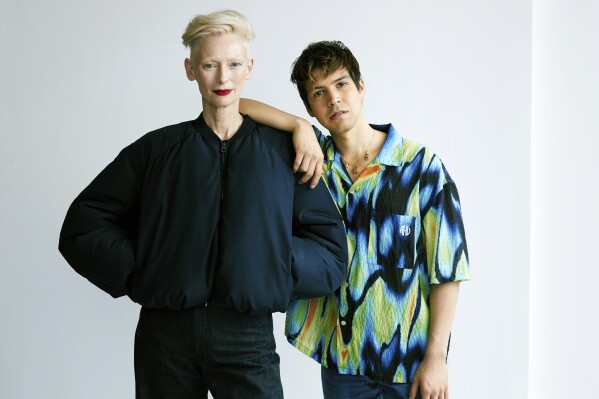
x: 404, y: 233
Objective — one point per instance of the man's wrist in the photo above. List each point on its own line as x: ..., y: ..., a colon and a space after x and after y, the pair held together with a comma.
x: 435, y: 355
x: 299, y: 124
x: 436, y: 350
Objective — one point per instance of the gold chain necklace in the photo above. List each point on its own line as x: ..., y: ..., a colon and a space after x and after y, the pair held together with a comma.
x: 355, y: 169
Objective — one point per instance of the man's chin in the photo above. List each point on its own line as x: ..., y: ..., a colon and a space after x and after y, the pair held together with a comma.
x: 336, y: 130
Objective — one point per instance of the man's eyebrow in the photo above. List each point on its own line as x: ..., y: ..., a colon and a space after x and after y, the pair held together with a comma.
x: 334, y: 81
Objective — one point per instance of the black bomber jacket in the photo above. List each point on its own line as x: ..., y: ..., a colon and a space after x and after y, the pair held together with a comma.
x: 181, y: 218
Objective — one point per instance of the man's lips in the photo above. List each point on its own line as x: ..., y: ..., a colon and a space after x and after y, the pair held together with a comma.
x: 222, y: 92
x: 337, y: 115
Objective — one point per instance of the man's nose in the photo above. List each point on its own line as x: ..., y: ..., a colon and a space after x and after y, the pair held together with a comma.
x: 334, y: 98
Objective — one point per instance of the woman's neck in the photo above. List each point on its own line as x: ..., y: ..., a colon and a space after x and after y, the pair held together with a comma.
x: 225, y: 122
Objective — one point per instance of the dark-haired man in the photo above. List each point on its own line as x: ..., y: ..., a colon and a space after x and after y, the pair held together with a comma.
x: 385, y: 331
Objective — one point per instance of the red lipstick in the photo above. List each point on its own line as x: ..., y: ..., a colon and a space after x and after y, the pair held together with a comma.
x: 222, y: 92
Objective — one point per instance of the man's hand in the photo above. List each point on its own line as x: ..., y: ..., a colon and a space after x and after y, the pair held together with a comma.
x: 308, y: 155
x: 431, y: 379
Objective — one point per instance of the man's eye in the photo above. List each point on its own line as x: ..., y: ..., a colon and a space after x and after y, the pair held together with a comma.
x: 317, y: 93
x: 236, y: 65
x: 209, y: 66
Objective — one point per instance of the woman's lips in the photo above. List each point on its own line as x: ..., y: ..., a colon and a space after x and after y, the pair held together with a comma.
x: 222, y: 92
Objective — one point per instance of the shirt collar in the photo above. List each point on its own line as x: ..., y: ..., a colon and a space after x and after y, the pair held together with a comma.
x: 390, y: 153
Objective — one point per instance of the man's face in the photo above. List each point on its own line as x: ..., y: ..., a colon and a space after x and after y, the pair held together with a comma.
x: 221, y: 68
x: 335, y: 101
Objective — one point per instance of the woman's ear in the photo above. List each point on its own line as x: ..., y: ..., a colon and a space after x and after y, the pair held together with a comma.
x: 250, y: 69
x: 189, y: 69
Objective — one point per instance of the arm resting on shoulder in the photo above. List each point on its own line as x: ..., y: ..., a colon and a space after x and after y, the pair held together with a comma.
x: 431, y: 378
x: 308, y: 154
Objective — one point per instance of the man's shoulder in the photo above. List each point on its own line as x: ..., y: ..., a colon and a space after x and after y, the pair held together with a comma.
x: 413, y: 150
x: 412, y: 147
x: 404, y: 152
x: 432, y: 168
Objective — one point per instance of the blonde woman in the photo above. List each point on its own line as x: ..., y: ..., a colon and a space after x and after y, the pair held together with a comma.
x: 204, y: 225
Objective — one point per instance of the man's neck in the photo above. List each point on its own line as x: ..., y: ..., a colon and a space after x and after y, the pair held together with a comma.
x: 358, y: 147
x: 355, y: 144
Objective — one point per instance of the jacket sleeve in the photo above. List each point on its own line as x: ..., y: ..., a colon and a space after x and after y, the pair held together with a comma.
x: 98, y: 235
x: 319, y: 263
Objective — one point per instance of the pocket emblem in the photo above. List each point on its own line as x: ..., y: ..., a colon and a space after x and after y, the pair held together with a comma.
x: 404, y: 230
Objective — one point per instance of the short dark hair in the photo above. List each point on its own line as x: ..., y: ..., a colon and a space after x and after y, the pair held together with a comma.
x: 325, y: 57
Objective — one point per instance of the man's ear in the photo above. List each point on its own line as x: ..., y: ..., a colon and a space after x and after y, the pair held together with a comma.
x: 362, y: 88
x: 250, y: 69
x: 189, y: 69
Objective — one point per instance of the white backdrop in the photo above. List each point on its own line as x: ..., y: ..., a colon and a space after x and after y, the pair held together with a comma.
x: 565, y: 203
x: 80, y: 80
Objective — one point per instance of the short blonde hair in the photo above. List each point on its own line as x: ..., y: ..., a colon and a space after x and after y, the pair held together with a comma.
x: 217, y: 23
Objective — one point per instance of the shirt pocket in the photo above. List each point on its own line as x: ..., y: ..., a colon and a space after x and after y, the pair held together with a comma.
x: 392, y: 242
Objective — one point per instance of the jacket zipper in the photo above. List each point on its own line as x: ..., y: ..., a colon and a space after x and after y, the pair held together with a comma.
x: 223, y: 161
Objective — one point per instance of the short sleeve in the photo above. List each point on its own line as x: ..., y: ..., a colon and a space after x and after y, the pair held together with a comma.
x: 443, y: 227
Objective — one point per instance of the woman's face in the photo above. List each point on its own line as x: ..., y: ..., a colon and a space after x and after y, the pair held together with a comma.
x: 221, y: 68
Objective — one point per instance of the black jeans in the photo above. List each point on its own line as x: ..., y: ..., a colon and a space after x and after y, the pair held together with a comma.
x: 186, y: 353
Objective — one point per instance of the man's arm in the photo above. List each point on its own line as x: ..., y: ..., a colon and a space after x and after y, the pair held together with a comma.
x: 319, y: 263
x: 447, y: 265
x: 99, y: 232
x: 431, y: 378
x: 308, y: 154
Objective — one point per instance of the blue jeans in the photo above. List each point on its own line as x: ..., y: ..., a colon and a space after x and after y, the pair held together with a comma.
x: 338, y: 386
x: 186, y: 353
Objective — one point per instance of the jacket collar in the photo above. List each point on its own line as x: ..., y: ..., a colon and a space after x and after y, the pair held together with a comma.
x: 247, y: 126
